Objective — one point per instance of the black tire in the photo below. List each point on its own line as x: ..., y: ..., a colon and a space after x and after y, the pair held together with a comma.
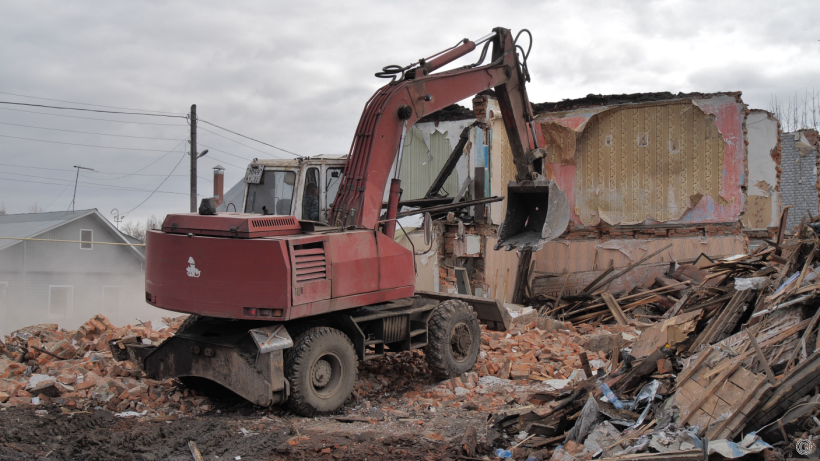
x: 322, y: 369
x: 454, y: 339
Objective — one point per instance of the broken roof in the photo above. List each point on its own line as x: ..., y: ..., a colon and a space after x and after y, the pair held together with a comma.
x: 450, y: 113
x: 594, y: 100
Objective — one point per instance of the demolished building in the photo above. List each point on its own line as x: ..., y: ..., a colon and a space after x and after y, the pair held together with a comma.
x: 639, y: 171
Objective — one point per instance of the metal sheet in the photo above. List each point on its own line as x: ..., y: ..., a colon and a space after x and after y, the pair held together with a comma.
x: 271, y: 338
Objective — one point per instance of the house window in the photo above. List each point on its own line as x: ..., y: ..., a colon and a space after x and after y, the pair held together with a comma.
x: 86, y: 237
x: 112, y: 299
x: 60, y: 301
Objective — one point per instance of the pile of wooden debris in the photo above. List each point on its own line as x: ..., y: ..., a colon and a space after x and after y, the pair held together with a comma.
x: 728, y: 362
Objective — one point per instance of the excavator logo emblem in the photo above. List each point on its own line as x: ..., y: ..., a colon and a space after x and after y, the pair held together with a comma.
x: 192, y: 270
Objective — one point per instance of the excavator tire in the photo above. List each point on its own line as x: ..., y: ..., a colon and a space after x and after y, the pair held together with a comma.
x: 454, y: 339
x: 322, y: 369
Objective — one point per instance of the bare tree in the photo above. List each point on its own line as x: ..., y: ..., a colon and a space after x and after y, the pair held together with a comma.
x: 35, y: 208
x: 133, y: 229
x: 797, y: 114
x: 137, y: 230
x: 2, y: 208
x: 153, y: 223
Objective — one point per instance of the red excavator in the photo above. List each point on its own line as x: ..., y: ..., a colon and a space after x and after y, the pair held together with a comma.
x: 282, y: 309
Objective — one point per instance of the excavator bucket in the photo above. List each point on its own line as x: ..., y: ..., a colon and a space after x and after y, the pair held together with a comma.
x: 537, y: 212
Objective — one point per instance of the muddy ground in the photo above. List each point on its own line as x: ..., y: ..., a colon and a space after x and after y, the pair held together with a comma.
x: 98, y: 435
x: 236, y: 429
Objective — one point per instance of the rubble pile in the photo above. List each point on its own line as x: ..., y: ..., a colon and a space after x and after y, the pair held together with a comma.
x: 540, y: 357
x: 44, y: 364
x: 727, y: 362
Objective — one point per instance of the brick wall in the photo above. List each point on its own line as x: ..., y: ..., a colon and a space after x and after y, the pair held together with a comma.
x: 798, y: 183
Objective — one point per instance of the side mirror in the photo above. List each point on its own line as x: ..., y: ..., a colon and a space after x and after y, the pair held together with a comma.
x: 428, y: 229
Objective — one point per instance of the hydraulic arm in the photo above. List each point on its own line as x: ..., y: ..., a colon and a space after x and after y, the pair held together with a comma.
x: 396, y: 106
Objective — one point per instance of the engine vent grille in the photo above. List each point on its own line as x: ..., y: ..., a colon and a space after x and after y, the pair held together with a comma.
x: 311, y: 263
x: 274, y: 222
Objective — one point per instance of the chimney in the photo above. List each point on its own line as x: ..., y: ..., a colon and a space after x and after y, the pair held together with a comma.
x: 219, y: 183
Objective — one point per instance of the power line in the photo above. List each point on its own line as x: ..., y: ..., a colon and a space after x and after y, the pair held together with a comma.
x: 55, y: 198
x: 160, y: 185
x: 90, y: 118
x: 90, y: 110
x: 246, y: 137
x: 233, y: 140
x: 95, y: 187
x: 146, y: 166
x: 232, y: 155
x: 83, y: 145
x: 97, y: 172
x: 87, y: 104
x: 90, y: 132
x: 215, y: 158
x: 103, y: 186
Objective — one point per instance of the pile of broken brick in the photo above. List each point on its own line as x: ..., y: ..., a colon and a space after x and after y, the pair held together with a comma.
x: 74, y: 369
x: 731, y: 367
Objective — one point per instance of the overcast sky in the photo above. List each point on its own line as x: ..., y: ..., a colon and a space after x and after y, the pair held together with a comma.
x: 296, y: 75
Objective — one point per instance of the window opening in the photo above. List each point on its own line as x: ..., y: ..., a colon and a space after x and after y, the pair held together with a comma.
x: 273, y: 195
x: 310, y: 197
x: 86, y: 237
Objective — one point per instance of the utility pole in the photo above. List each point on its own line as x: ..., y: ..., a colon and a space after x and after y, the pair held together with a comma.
x: 78, y: 167
x: 193, y: 158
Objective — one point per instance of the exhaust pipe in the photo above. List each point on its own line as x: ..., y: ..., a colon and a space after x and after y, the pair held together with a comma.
x: 537, y: 212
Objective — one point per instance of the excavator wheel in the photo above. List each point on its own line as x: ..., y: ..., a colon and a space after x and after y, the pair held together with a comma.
x: 322, y: 369
x: 454, y: 339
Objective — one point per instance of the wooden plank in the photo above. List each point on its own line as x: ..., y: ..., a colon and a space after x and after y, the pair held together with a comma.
x: 637, y: 295
x: 806, y: 266
x: 738, y: 424
x: 708, y: 392
x: 631, y: 266
x: 599, y: 278
x: 641, y: 302
x: 694, y: 366
x: 613, y: 306
x: 805, y: 338
x: 194, y: 451
x: 673, y: 311
x: 715, y: 431
x: 561, y: 293
x: 781, y: 230
x: 762, y: 358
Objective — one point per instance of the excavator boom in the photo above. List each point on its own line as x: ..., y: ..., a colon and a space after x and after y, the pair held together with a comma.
x: 400, y: 103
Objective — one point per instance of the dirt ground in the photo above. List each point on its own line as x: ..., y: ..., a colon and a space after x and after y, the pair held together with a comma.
x: 98, y: 435
x: 235, y: 429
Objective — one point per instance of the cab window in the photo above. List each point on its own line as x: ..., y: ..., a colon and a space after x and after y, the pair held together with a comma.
x: 273, y: 195
x: 332, y: 180
x: 310, y: 196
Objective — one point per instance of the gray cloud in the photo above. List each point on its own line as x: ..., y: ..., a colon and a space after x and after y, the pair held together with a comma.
x: 297, y: 74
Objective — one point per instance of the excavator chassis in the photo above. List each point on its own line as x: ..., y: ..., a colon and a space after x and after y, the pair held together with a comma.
x: 247, y: 356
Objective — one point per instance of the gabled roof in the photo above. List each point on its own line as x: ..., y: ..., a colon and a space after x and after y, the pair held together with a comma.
x: 30, y: 225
